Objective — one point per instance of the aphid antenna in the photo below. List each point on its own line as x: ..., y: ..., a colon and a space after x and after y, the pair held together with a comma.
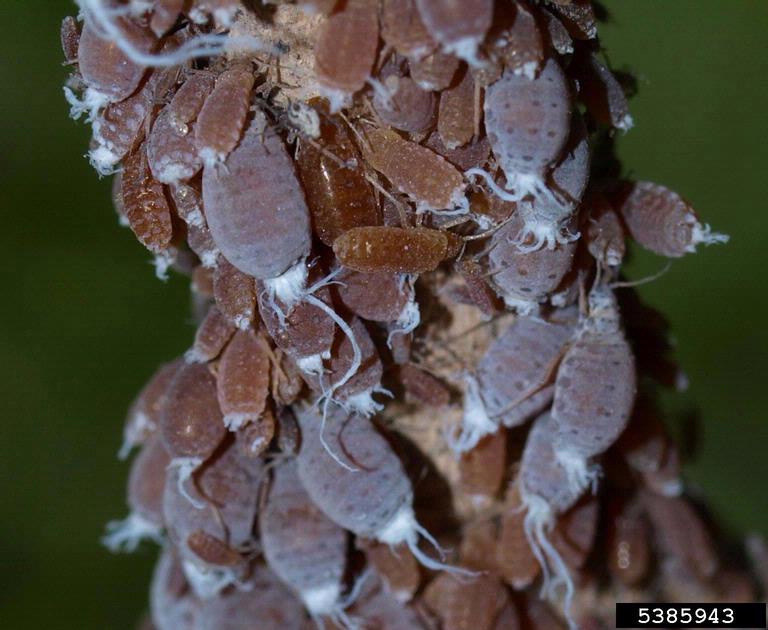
x: 641, y: 281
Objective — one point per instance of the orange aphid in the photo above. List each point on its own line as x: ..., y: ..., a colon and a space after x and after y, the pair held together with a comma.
x: 202, y: 282
x: 235, y: 294
x: 391, y: 249
x: 422, y: 387
x: 456, y: 118
x: 338, y: 197
x: 286, y: 379
x: 212, y: 335
x: 427, y: 178
x: 478, y: 290
x: 243, y: 379
x: 482, y: 468
x: 478, y: 545
x: 144, y: 203
x: 516, y: 561
x: 397, y: 568
x: 602, y: 93
x: 222, y: 117
x: 346, y: 49
x: 435, y: 71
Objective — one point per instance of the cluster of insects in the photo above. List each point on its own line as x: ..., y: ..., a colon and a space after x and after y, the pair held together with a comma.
x: 420, y: 394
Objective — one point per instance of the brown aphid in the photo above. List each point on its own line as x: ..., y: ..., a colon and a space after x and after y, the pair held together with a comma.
x: 286, y: 380
x: 427, y: 178
x: 604, y: 232
x: 508, y: 618
x: 516, y: 561
x: 558, y: 35
x: 681, y: 533
x: 459, y: 25
x: 423, y: 387
x: 472, y: 155
x: 146, y: 207
x: 662, y: 221
x: 537, y: 615
x: 105, y: 67
x: 628, y: 543
x: 164, y: 15
x: 406, y: 106
x: 243, y: 379
x: 579, y: 18
x: 391, y: 249
x: 288, y: 434
x: 478, y: 545
x: 666, y: 479
x: 212, y: 550
x: 188, y: 203
x: 466, y: 605
x: 575, y: 531
x: 378, y: 297
x: 201, y: 242
x: 222, y: 117
x: 346, y: 50
x: 602, y: 93
x: 482, y: 468
x: 254, y: 438
x: 339, y: 197
x: 212, y: 335
x: 189, y: 99
x: 435, y: 71
x: 397, y: 568
x: 403, y: 30
x: 118, y: 129
x: 520, y: 45
x: 202, y: 282
x: 400, y: 345
x: 70, y: 39
x: 235, y: 294
x: 478, y: 290
x: 456, y: 117
x: 192, y: 425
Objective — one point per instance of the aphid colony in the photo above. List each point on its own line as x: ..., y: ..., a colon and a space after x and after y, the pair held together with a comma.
x: 412, y: 334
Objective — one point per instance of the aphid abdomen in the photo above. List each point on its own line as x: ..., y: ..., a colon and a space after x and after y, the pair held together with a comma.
x: 254, y: 205
x: 391, y: 249
x: 305, y: 549
x: 521, y: 45
x: 222, y: 116
x: 427, y: 178
x: 144, y: 203
x: 118, y: 129
x: 662, y: 221
x: 212, y: 335
x: 459, y: 25
x: 346, y: 49
x: 402, y: 28
x: 456, y: 118
x: 235, y: 294
x: 243, y: 379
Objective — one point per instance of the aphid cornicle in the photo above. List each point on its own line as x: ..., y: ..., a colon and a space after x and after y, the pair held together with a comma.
x: 254, y: 205
x: 305, y: 549
x: 458, y: 25
x: 662, y: 221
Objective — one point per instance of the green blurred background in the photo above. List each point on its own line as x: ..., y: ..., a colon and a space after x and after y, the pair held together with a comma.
x: 85, y: 322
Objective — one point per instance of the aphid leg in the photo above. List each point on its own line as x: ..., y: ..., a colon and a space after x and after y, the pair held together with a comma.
x: 126, y: 535
x: 475, y: 423
x: 702, y: 233
x: 186, y: 466
x: 538, y: 524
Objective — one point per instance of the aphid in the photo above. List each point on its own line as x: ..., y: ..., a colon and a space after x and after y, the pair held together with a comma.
x: 235, y: 294
x: 201, y: 242
x: 466, y: 605
x: 478, y: 290
x: 378, y: 297
x: 305, y: 549
x: 515, y: 559
x: 520, y: 45
x: 525, y: 276
x: 482, y: 468
x: 146, y: 482
x: 243, y: 379
x: 202, y: 283
x: 594, y: 389
x: 391, y: 249
x: 396, y: 567
x: 528, y: 123
x: 603, y: 94
x: 108, y: 72
x: 681, y: 533
x: 475, y: 154
x: 346, y: 50
x: 478, y: 545
x: 662, y: 221
x: 164, y: 15
x: 400, y: 345
x: 559, y: 38
x: 382, y: 610
x: 405, y: 105
x: 574, y: 534
x: 173, y: 605
x: 339, y: 197
x: 286, y: 380
x: 145, y: 413
x: 456, y: 117
x: 581, y: 274
x: 191, y: 425
x: 628, y: 543
x: 402, y: 28
x: 212, y: 335
x: 188, y: 203
x: 604, y: 232
x: 578, y: 17
x: 222, y: 118
x: 423, y: 387
x: 371, y: 496
x: 435, y: 71
x: 254, y: 438
x: 144, y: 203
x: 427, y: 178
x: 171, y: 147
x: 70, y: 39
x: 459, y: 27
x: 254, y: 205
x: 262, y: 600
